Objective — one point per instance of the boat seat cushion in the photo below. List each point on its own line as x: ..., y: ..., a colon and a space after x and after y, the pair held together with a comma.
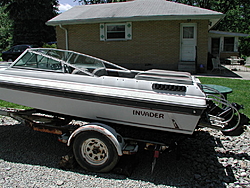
x: 77, y: 71
x: 100, y: 72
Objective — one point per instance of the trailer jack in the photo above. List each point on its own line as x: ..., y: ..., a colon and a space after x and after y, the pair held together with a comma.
x: 156, y: 156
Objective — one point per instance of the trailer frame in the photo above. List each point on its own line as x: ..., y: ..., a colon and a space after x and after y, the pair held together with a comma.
x: 58, y: 124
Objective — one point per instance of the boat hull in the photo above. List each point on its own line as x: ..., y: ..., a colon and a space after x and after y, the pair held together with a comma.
x: 139, y: 101
x: 108, y: 111
x: 86, y: 87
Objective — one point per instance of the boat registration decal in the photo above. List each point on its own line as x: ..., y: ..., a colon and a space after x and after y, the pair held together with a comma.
x: 148, y: 114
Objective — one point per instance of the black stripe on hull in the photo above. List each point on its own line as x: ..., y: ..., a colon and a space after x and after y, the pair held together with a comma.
x: 142, y: 124
x: 150, y: 105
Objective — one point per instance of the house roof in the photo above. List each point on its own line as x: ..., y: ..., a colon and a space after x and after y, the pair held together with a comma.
x: 226, y: 33
x: 137, y: 10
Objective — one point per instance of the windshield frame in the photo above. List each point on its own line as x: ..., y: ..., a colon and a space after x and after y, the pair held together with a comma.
x: 63, y: 57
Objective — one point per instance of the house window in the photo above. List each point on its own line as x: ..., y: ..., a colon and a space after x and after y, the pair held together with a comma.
x: 116, y: 31
x: 215, y: 47
x: 188, y: 32
x: 229, y: 44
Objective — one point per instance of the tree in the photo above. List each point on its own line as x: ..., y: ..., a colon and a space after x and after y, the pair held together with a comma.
x: 29, y: 17
x: 237, y: 12
x: 5, y: 30
x: 217, y: 5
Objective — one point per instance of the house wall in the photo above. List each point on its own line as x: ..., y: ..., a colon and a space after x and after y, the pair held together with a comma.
x: 154, y: 44
x: 202, y: 42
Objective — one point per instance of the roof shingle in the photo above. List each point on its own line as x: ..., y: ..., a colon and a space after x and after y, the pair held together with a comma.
x: 138, y: 10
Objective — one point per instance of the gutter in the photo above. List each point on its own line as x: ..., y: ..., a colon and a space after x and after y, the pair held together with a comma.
x: 66, y: 36
x: 226, y: 33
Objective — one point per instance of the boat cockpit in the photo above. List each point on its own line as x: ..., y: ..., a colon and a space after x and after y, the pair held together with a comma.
x: 65, y: 61
x: 70, y: 62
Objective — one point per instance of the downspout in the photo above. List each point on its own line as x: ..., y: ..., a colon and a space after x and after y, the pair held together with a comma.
x: 66, y: 37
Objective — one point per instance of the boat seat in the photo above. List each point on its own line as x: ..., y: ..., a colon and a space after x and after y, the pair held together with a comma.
x: 43, y: 65
x: 101, y: 71
x: 77, y: 71
x: 165, y: 76
x: 127, y: 74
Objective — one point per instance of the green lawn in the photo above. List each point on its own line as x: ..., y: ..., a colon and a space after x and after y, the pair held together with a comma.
x: 240, y: 94
x: 241, y: 90
x: 12, y: 105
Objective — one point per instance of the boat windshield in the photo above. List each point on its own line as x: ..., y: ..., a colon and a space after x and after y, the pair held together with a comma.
x: 64, y: 61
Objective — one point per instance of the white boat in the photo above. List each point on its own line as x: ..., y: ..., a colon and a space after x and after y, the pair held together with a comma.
x: 83, y: 86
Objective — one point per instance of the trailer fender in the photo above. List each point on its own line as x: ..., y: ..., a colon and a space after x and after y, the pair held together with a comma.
x: 106, y: 130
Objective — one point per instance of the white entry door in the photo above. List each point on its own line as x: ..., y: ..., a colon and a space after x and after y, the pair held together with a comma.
x: 188, y: 42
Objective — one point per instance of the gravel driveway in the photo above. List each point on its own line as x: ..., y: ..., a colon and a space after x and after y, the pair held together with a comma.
x: 209, y: 159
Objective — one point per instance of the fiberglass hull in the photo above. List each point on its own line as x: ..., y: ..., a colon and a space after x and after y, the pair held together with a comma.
x: 105, y: 102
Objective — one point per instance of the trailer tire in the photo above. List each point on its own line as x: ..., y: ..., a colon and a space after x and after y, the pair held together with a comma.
x: 95, y: 152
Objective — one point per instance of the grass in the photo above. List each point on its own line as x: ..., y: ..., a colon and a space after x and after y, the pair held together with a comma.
x: 240, y: 94
x: 241, y: 90
x: 12, y: 105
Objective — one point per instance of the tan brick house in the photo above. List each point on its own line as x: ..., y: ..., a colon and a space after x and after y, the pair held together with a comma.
x: 139, y: 34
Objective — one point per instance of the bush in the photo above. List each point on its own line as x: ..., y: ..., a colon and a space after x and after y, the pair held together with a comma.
x: 46, y: 45
x: 244, y: 47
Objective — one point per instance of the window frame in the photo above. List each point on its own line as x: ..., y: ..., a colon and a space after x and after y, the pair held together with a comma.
x: 115, y: 25
x: 41, y: 63
x: 127, y: 31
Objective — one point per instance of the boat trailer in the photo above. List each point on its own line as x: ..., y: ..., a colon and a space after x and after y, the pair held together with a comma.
x: 66, y: 128
x: 97, y: 146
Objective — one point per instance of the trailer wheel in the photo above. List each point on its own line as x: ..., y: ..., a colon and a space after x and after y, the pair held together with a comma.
x: 95, y: 152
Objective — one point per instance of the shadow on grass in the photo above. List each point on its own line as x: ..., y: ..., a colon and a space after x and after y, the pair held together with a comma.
x: 224, y: 73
